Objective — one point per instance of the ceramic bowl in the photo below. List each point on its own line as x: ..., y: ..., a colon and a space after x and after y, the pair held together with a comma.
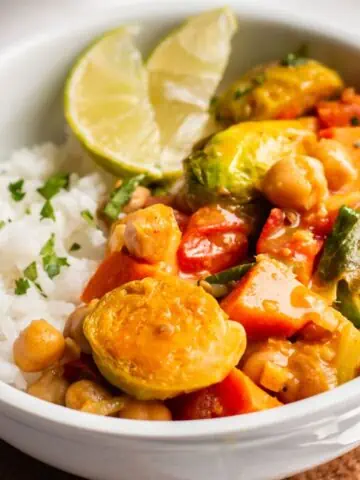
x: 261, y: 446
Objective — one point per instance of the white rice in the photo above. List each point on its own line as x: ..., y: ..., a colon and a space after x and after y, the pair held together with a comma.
x: 22, y: 238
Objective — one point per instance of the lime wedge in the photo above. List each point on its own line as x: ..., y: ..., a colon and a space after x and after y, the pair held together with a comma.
x: 184, y: 72
x: 108, y: 109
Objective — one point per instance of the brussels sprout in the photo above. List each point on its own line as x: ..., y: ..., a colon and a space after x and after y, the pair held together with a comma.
x: 156, y: 339
x: 233, y: 163
x: 285, y: 89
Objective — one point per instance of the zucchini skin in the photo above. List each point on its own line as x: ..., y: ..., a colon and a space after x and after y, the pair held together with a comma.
x: 342, y: 247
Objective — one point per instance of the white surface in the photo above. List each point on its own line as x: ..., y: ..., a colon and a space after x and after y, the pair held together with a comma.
x: 35, y: 55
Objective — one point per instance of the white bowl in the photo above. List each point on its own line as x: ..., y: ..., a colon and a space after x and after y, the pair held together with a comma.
x: 267, y: 445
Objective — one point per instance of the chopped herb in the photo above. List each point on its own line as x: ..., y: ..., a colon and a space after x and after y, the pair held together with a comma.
x: 2, y: 224
x: 356, y: 144
x: 242, y: 91
x: 54, y: 184
x: 28, y: 211
x: 75, y: 247
x: 259, y: 79
x: 48, y: 248
x: 30, y: 272
x: 245, y: 89
x: 296, y: 58
x: 121, y: 196
x: 47, y: 211
x: 16, y: 190
x: 355, y: 121
x: 38, y: 286
x: 51, y: 262
x: 88, y: 217
x: 22, y: 285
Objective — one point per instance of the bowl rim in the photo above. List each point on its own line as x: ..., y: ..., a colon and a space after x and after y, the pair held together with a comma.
x: 15, y: 403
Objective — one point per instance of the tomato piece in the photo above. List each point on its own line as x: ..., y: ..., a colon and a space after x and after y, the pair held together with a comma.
x: 342, y: 113
x: 286, y: 240
x: 214, y: 240
x: 115, y: 270
x: 235, y: 395
x: 211, y: 253
x: 82, y: 369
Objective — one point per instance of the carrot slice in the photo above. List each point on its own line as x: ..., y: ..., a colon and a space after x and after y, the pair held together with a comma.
x: 269, y: 301
x: 118, y: 268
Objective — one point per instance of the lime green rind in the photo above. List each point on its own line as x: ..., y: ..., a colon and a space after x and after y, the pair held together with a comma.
x: 118, y: 167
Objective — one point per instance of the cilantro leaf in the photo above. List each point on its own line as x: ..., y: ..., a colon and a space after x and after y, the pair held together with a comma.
x: 120, y: 196
x: 75, y: 247
x: 22, y: 285
x: 47, y: 211
x: 48, y: 248
x: 38, y: 286
x: 88, y: 217
x: 30, y: 272
x: 51, y: 262
x: 16, y: 190
x: 296, y: 58
x: 54, y: 184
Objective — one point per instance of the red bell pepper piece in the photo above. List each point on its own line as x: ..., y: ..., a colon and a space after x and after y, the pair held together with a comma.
x: 214, y: 240
x: 290, y: 243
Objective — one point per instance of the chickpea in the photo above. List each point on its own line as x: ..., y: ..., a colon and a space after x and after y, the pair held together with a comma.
x: 336, y: 159
x: 84, y: 391
x: 138, y: 199
x: 296, y: 182
x: 38, y: 347
x: 116, y: 237
x: 145, y: 410
x: 51, y: 386
x: 74, y: 326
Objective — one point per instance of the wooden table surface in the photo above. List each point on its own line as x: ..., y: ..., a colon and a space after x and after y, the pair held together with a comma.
x: 14, y: 465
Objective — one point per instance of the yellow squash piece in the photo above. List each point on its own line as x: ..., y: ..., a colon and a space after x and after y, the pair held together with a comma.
x: 156, y: 339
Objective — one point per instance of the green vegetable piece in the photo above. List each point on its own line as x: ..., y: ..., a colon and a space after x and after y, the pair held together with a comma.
x: 88, y: 217
x: 54, y: 184
x: 51, y: 262
x: 2, y: 224
x: 296, y: 58
x: 22, y: 285
x: 230, y: 275
x: 285, y: 89
x: 348, y: 303
x: 75, y: 247
x: 47, y: 211
x: 342, y: 248
x: 355, y: 121
x: 16, y: 190
x: 30, y: 272
x: 231, y: 166
x: 120, y: 196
